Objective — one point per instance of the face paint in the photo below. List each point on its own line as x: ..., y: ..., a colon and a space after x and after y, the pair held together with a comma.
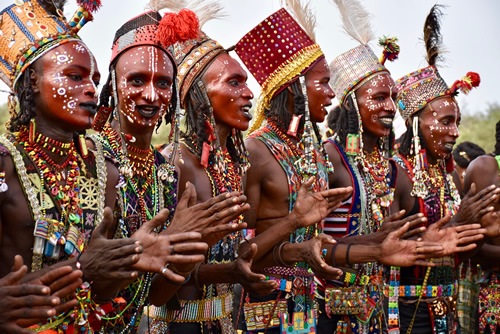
x: 145, y: 78
x: 67, y: 77
x: 225, y: 82
x: 376, y: 105
x: 319, y: 91
x: 439, y: 126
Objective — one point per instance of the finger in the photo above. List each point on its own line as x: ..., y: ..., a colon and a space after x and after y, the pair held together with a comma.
x: 27, y: 290
x: 467, y: 248
x: 157, y: 221
x: 469, y: 227
x: 224, y: 229
x: 18, y: 263
x: 442, y: 222
x: 67, y: 285
x: 397, y: 234
x: 425, y: 263
x: 66, y: 306
x: 171, y: 276
x: 185, y: 259
x: 221, y: 201
x: 107, y: 227
x: 465, y: 240
x: 15, y: 276
x: 228, y: 210
x: 181, y: 237
x: 55, y: 274
x: 190, y: 247
x: 395, y: 216
x: 414, y: 232
x: 188, y: 197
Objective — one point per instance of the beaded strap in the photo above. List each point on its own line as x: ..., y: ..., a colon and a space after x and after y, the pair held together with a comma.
x: 416, y: 290
x: 195, y: 310
x: 288, y: 271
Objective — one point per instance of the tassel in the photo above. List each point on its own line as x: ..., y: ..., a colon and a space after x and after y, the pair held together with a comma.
x: 469, y: 81
x: 205, y: 152
x: 352, y: 144
x: 391, y: 49
x: 84, y: 152
x: 294, y: 126
x: 101, y: 118
x: 90, y: 5
x: 32, y: 131
x: 178, y: 27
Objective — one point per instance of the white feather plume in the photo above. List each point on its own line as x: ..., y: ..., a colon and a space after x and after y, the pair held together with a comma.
x: 173, y: 5
x: 355, y: 20
x: 207, y: 10
x: 303, y: 14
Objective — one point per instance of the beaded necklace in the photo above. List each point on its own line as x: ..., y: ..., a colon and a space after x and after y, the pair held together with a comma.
x: 65, y: 190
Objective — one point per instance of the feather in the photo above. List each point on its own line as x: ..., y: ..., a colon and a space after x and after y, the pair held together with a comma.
x: 173, y: 5
x: 207, y: 10
x: 432, y: 35
x: 355, y: 20
x: 52, y: 6
x: 303, y: 14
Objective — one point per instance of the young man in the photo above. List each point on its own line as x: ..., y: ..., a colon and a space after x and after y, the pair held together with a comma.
x: 432, y: 116
x: 54, y: 191
x: 289, y: 174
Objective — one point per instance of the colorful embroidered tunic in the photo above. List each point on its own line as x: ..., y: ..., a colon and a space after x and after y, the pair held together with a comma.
x: 158, y: 191
x: 56, y: 238
x: 356, y: 301
x: 435, y: 287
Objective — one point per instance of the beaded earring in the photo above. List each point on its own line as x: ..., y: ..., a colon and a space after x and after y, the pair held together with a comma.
x: 308, y: 161
x: 354, y: 144
x: 32, y: 131
x: 82, y: 144
x: 419, y: 188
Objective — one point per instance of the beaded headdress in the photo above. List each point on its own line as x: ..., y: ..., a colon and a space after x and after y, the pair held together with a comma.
x: 194, y: 55
x: 417, y: 89
x: 277, y: 51
x: 30, y: 28
x: 352, y: 68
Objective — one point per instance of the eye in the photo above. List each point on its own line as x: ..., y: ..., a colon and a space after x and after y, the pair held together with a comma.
x: 137, y: 82
x: 446, y: 122
x: 164, y: 84
x: 75, y: 76
x: 234, y: 83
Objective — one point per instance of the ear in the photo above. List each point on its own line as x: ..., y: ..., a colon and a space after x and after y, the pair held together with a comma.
x: 34, y: 80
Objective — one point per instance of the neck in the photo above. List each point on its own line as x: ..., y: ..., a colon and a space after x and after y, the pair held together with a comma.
x: 138, y: 137
x: 54, y: 141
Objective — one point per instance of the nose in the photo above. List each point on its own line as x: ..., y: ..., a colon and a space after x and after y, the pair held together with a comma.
x: 149, y: 92
x: 90, y: 90
x: 330, y: 92
x: 454, y: 132
x: 247, y: 93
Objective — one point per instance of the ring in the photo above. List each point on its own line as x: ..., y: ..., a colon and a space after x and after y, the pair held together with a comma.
x: 172, y: 251
x: 164, y: 269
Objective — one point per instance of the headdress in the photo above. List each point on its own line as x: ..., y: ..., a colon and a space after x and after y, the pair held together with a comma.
x: 194, y: 55
x: 352, y: 68
x: 30, y: 28
x: 277, y: 51
x: 417, y: 89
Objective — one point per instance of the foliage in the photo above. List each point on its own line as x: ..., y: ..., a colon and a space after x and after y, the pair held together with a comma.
x: 479, y: 128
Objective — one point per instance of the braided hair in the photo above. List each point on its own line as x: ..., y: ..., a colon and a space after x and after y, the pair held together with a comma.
x: 497, y: 137
x: 281, y: 116
x: 27, y: 105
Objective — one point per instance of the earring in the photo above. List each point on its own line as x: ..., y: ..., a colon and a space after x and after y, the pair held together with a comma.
x: 82, y: 143
x: 32, y: 131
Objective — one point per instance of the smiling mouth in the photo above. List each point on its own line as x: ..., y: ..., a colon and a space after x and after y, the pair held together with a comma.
x: 147, y: 111
x: 449, y: 146
x: 387, y: 121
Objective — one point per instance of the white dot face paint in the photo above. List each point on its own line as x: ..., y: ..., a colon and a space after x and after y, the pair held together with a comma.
x: 319, y: 91
x: 67, y: 88
x: 439, y: 126
x: 144, y: 85
x: 376, y: 105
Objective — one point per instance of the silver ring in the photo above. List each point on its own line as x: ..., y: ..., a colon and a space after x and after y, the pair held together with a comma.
x: 164, y: 269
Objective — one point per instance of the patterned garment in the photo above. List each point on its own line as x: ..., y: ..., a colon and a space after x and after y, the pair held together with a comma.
x: 90, y: 201
x: 123, y: 313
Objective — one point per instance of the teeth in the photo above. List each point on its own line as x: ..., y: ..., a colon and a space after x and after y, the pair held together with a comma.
x: 246, y: 109
x: 386, y: 120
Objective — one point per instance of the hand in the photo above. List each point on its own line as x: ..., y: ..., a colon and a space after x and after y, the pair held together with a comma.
x: 109, y: 259
x: 395, y: 251
x: 185, y: 251
x: 312, y: 254
x: 209, y: 218
x: 62, y: 282
x: 491, y: 222
x: 312, y: 207
x: 394, y: 222
x: 454, y: 239
x: 474, y: 206
x: 23, y: 303
x: 251, y: 281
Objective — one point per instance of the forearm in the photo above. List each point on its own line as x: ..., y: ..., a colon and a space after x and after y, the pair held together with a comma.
x: 162, y: 290
x: 487, y: 255
x: 216, y: 273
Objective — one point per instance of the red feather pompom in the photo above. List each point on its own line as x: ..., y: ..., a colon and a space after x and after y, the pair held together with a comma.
x: 90, y: 5
x: 475, y: 79
x: 178, y: 27
x: 469, y: 81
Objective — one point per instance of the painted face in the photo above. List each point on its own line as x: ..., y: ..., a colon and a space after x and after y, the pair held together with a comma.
x: 376, y: 105
x: 144, y: 77
x: 225, y: 81
x: 67, y: 79
x: 439, y: 126
x: 319, y: 91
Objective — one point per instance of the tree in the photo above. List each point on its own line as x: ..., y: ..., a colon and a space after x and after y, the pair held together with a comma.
x: 479, y: 128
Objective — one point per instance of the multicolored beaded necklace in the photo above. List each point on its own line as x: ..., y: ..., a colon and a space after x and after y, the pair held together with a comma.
x: 64, y: 189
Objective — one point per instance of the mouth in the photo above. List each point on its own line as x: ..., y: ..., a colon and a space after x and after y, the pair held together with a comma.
x: 246, y: 111
x: 91, y: 107
x: 449, y: 146
x: 147, y: 111
x: 386, y: 121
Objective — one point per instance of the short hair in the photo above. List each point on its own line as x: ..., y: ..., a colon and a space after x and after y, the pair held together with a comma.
x: 465, y: 152
x: 332, y: 117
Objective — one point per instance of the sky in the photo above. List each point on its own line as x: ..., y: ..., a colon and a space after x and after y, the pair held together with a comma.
x: 468, y: 30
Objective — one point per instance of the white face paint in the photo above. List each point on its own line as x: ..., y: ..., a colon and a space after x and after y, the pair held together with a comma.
x: 145, y: 77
